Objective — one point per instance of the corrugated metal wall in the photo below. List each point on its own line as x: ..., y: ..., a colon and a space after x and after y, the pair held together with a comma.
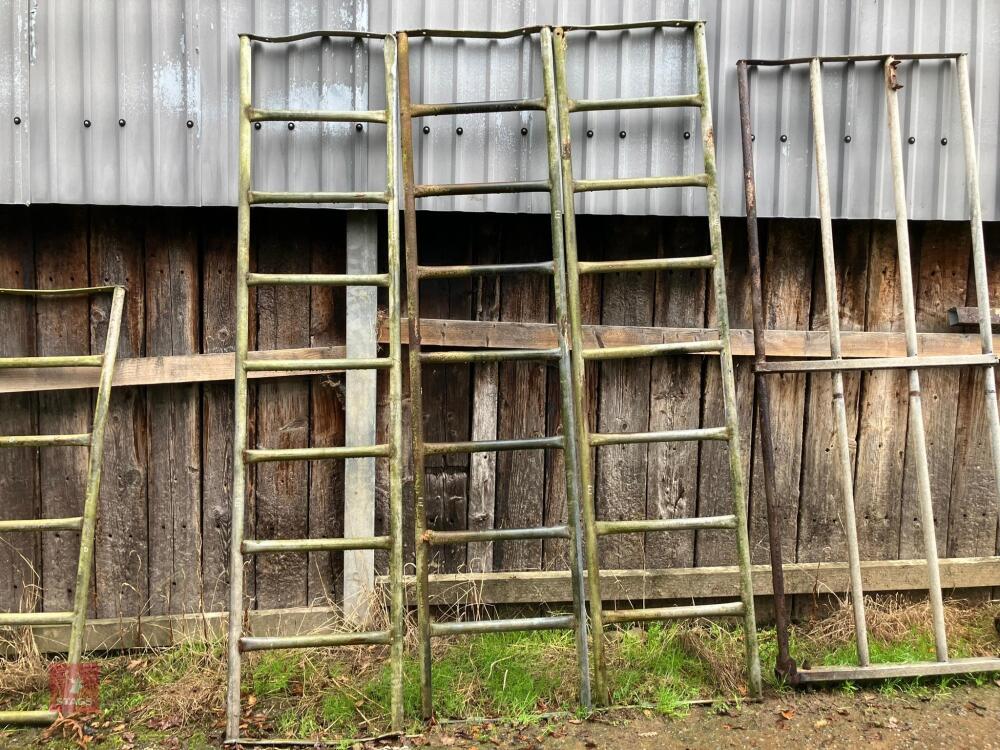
x: 158, y: 66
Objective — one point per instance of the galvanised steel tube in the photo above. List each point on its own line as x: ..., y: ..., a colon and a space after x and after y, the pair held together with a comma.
x: 10, y: 619
x: 416, y: 388
x: 263, y: 197
x: 27, y: 718
x: 65, y: 360
x: 269, y: 643
x: 488, y: 446
x: 879, y: 363
x: 916, y: 414
x: 262, y: 455
x: 666, y: 524
x: 42, y: 524
x: 654, y: 350
x: 287, y: 365
x: 557, y: 622
x: 726, y: 367
x: 43, y: 441
x: 646, y: 264
x: 318, y: 279
x: 85, y: 560
x: 456, y: 357
x: 83, y: 291
x: 640, y: 183
x: 642, y: 102
x: 845, y: 469
x: 496, y: 535
x: 979, y: 257
x: 663, y: 436
x: 728, y: 609
x: 461, y: 272
x: 239, y: 403
x: 474, y: 108
x: 784, y: 664
x: 397, y: 611
x: 480, y: 188
x: 577, y: 374
x: 316, y: 115
x: 333, y: 544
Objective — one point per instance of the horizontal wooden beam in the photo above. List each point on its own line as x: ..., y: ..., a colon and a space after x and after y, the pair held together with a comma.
x: 199, y: 368
x: 185, y: 368
x: 536, y: 587
x: 969, y: 316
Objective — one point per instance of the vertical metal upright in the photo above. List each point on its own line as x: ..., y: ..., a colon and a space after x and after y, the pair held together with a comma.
x: 392, y: 364
x: 426, y: 538
x: 86, y: 523
x: 719, y: 346
x: 837, y: 364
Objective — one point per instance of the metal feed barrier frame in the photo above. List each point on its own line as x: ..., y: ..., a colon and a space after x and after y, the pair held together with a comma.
x: 85, y: 524
x: 912, y: 362
x: 720, y: 347
x: 392, y: 449
x: 426, y: 538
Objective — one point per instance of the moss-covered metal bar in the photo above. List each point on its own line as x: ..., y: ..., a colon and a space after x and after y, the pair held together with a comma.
x: 294, y: 365
x: 318, y: 279
x: 461, y: 272
x: 480, y: 188
x: 43, y: 441
x: 74, y: 523
x: 316, y: 115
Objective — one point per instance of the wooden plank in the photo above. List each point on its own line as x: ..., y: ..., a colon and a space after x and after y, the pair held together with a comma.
x: 521, y: 474
x: 969, y: 316
x: 326, y: 478
x: 487, y: 238
x: 883, y: 412
x: 532, y: 587
x: 62, y: 327
x: 675, y: 400
x: 791, y: 252
x: 122, y: 551
x: 973, y: 509
x: 821, y: 525
x: 174, y: 456
x: 714, y: 495
x: 620, y: 470
x: 942, y: 275
x: 281, y: 488
x: 218, y: 285
x: 20, y: 554
x: 359, y: 418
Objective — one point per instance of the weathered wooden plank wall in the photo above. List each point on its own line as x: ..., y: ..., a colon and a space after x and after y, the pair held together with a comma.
x: 163, y: 535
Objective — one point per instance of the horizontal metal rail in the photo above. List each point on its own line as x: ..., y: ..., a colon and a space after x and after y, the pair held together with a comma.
x: 27, y: 718
x: 471, y: 33
x: 480, y: 188
x: 459, y: 272
x: 262, y: 455
x: 646, y: 264
x: 877, y: 363
x: 843, y: 673
x: 728, y: 609
x: 257, y: 197
x: 640, y: 183
x: 495, y: 535
x: 83, y: 291
x: 488, y: 446
x: 476, y: 108
x: 74, y: 523
x: 318, y: 279
x: 464, y: 356
x: 292, y: 365
x: 663, y: 436
x: 315, y: 115
x: 664, y: 524
x: 319, y: 34
x: 63, y: 360
x: 271, y: 643
x: 908, y: 56
x: 263, y: 546
x: 552, y: 622
x: 43, y: 441
x: 653, y: 350
x: 15, y: 619
x: 641, y: 102
x: 666, y: 23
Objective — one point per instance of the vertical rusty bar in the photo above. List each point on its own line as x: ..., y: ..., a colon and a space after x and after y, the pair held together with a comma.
x: 979, y: 257
x: 916, y: 418
x: 85, y: 563
x: 785, y: 668
x: 846, y: 472
x: 569, y: 423
x: 579, y: 378
x: 416, y: 389
x: 397, y: 607
x: 726, y: 366
x: 240, y: 404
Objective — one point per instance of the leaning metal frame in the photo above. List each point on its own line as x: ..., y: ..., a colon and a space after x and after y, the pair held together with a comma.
x: 427, y: 538
x: 785, y: 666
x: 392, y: 450
x: 85, y: 524
x: 720, y: 347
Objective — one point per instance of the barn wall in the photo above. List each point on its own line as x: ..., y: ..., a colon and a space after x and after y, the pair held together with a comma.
x: 162, y: 540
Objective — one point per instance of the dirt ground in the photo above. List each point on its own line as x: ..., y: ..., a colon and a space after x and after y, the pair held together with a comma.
x: 963, y: 717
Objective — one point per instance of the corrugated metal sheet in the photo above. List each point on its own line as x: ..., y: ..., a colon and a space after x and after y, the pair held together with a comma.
x: 159, y: 65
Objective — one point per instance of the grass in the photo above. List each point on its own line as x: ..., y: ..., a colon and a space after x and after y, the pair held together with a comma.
x: 517, y: 676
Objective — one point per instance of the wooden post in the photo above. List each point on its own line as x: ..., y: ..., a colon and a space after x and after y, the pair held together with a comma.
x: 359, y: 415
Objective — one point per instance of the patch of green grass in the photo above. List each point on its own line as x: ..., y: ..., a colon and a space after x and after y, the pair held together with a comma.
x: 275, y: 673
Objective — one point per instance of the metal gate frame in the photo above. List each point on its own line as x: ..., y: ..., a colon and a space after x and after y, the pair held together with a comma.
x: 427, y: 538
x: 392, y: 450
x: 85, y: 524
x: 721, y: 347
x: 785, y: 666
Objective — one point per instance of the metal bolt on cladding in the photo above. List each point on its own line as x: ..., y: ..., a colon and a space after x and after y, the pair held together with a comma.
x: 121, y: 123
x: 17, y: 120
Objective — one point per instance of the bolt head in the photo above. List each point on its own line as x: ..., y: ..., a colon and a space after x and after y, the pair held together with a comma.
x: 784, y: 138
x: 291, y: 126
x: 911, y: 140
x: 359, y: 127
x: 622, y: 133
x: 17, y: 120
x: 427, y: 129
x: 524, y: 131
x: 121, y: 123
x: 256, y: 126
x: 190, y: 123
x: 847, y: 139
x: 590, y: 133
x: 459, y: 130
x: 86, y: 123
x: 687, y: 135
x: 944, y: 141
x: 753, y: 137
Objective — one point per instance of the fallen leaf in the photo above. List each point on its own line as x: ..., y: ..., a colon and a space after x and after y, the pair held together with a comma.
x: 843, y: 711
x: 820, y: 724
x: 788, y: 714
